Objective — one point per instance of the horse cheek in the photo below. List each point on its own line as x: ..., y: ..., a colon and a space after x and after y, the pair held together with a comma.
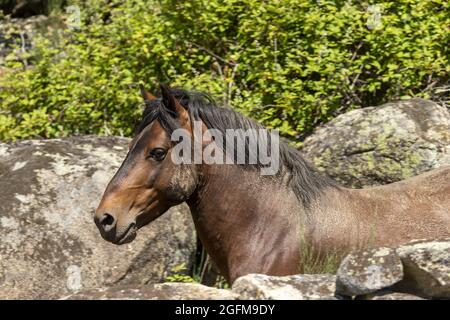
x: 182, y: 183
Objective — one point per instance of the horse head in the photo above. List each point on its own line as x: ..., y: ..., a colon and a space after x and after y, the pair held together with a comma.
x: 148, y: 182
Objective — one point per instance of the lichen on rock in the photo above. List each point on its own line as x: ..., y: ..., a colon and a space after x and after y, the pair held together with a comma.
x: 384, y: 144
x: 367, y: 271
x: 427, y: 268
x: 295, y: 287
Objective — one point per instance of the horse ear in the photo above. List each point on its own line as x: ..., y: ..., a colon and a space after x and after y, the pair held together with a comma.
x: 171, y: 103
x: 147, y: 96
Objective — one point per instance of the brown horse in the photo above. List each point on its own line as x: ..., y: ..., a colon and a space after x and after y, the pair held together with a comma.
x: 254, y: 223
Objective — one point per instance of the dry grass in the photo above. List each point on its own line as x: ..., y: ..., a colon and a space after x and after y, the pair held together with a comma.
x: 314, y: 260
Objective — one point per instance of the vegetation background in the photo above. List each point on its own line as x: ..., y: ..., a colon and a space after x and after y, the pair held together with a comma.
x: 290, y: 64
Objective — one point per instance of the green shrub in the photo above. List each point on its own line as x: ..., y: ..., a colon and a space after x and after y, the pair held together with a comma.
x: 289, y: 64
x: 179, y: 274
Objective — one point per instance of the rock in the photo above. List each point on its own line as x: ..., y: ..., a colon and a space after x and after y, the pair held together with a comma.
x: 389, y: 295
x: 380, y: 145
x: 162, y: 291
x: 367, y: 271
x: 414, y: 271
x: 295, y: 287
x: 50, y: 246
x: 426, y: 268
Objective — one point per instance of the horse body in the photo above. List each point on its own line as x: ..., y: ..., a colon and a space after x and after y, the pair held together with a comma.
x: 416, y: 208
x: 250, y: 223
x: 259, y: 226
x: 254, y: 227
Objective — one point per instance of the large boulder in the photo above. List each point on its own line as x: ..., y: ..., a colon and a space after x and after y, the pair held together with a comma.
x: 160, y: 291
x: 50, y: 246
x: 364, y: 272
x: 427, y: 268
x: 295, y: 287
x: 380, y: 145
x: 420, y: 268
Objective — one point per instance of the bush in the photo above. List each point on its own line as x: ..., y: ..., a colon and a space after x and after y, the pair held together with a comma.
x: 288, y: 64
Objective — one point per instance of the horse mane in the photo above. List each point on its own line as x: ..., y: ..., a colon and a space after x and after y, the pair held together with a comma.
x: 305, y: 181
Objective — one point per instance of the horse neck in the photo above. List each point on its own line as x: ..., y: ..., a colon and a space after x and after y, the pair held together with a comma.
x: 246, y: 222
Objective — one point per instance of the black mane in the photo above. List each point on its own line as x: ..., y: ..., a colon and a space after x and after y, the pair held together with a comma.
x: 303, y: 178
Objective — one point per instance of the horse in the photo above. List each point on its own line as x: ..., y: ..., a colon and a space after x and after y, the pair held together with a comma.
x: 254, y: 223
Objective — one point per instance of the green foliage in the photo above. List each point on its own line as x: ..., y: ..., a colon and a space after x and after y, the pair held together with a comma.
x: 178, y: 274
x: 201, y: 267
x: 291, y: 64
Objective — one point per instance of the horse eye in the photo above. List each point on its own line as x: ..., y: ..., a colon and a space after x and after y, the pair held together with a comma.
x: 158, y: 154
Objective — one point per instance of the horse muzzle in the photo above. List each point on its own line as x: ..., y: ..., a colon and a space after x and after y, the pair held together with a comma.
x: 112, y: 231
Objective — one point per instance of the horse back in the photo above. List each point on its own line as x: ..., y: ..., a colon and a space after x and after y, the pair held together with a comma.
x: 415, y: 208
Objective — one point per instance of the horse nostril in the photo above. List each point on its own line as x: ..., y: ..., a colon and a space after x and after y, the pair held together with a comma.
x: 107, y: 220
